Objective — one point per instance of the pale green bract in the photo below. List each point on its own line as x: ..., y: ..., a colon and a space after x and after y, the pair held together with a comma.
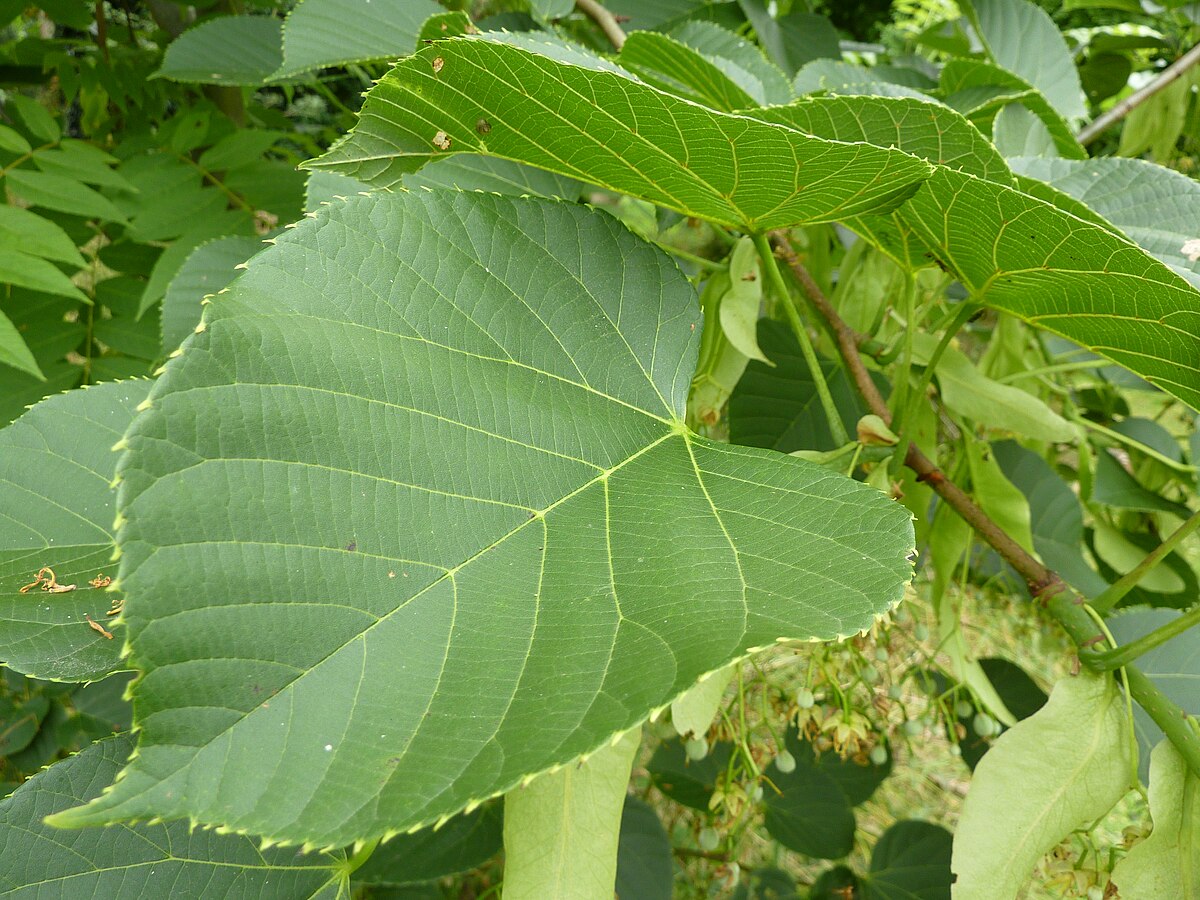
x: 416, y: 517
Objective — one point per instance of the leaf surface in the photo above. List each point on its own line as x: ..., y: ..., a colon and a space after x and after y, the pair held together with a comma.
x: 455, y: 507
x: 38, y: 861
x: 56, y: 462
x: 1003, y: 833
x: 321, y: 33
x: 604, y: 128
x: 229, y: 50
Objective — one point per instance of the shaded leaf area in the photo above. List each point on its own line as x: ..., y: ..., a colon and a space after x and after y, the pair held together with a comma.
x: 778, y: 407
x: 321, y: 33
x: 604, y: 128
x: 795, y: 39
x: 208, y: 269
x: 1019, y: 693
x: 56, y: 465
x: 1156, y: 207
x: 685, y: 780
x: 645, y: 865
x: 552, y: 533
x: 1173, y: 666
x: 911, y: 861
x: 229, y: 50
x: 37, y: 860
x: 463, y: 843
x: 1056, y: 516
x: 811, y: 809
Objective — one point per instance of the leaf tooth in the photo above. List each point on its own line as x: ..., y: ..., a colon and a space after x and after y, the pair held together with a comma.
x: 120, y: 445
x: 144, y: 405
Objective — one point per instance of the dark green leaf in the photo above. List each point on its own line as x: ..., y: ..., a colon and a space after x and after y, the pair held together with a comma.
x: 229, y: 50
x: 209, y: 268
x: 244, y: 146
x: 810, y: 814
x: 1113, y: 485
x: 136, y: 861
x: 19, y: 722
x: 322, y: 33
x: 737, y: 172
x: 37, y: 236
x: 55, y: 467
x: 14, y: 352
x: 688, y: 781
x: 911, y: 862
x: 34, y: 116
x: 463, y: 843
x: 645, y: 869
x: 63, y: 194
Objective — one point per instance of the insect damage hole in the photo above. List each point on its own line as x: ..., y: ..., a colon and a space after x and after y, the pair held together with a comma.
x: 441, y: 140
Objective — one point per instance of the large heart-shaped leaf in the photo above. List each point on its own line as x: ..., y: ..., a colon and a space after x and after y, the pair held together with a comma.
x: 477, y: 96
x: 56, y: 462
x: 416, y: 516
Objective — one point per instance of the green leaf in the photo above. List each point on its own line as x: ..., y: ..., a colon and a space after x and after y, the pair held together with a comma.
x: 968, y: 392
x: 778, y: 407
x: 63, y: 194
x: 469, y: 172
x: 321, y: 33
x: 14, y: 351
x: 142, y: 860
x: 980, y: 90
x: 1172, y: 582
x: 90, y: 165
x: 463, y: 843
x: 1018, y: 132
x: 34, y: 116
x: 1156, y: 207
x: 240, y: 148
x: 739, y: 59
x: 228, y: 50
x: 741, y: 304
x: 1167, y: 863
x: 1003, y: 833
x: 843, y: 78
x: 795, y: 39
x: 37, y: 274
x: 1173, y: 666
x: 690, y: 782
x: 561, y: 830
x: 1022, y: 38
x: 692, y: 713
x: 674, y: 67
x: 716, y: 166
x: 56, y: 462
x: 1056, y: 517
x: 328, y: 187
x: 550, y: 9
x: 537, y: 388
x: 37, y: 236
x: 12, y: 141
x: 996, y: 495
x: 19, y: 722
x: 52, y: 328
x: 209, y: 268
x: 1114, y: 486
x: 645, y: 866
x: 911, y: 862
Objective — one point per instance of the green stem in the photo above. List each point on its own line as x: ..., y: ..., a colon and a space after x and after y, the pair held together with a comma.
x: 771, y: 267
x: 1112, y: 595
x: 1167, y: 716
x: 1052, y: 369
x: 701, y: 261
x: 1107, y: 660
x: 1134, y: 445
x: 900, y: 380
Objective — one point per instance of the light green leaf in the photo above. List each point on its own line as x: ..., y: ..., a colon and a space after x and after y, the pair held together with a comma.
x: 63, y: 194
x: 1122, y: 555
x: 674, y: 67
x: 321, y: 33
x: 209, y: 268
x: 721, y: 365
x: 721, y: 167
x: 12, y: 142
x: 980, y: 90
x: 1156, y: 207
x: 1174, y: 667
x: 36, y: 117
x: 1113, y: 485
x: 91, y: 165
x: 454, y: 475
x: 561, y: 830
x: 1156, y: 124
x: 1167, y: 863
x: 693, y: 712
x: 468, y: 172
x: 739, y: 59
x: 327, y: 187
x: 741, y: 304
x: 967, y: 392
x: 138, y: 860
x: 550, y: 9
x: 843, y: 78
x: 30, y: 233
x: 998, y: 497
x: 1018, y: 132
x: 37, y: 274
x: 229, y: 50
x: 1003, y: 832
x: 56, y: 462
x: 13, y: 350
x: 1021, y: 37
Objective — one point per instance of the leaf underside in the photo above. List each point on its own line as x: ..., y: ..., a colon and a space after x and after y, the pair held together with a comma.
x: 389, y: 553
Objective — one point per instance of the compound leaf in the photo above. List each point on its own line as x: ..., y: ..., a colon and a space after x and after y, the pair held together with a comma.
x: 453, y: 508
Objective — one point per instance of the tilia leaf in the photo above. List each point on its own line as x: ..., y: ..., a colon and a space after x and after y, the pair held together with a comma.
x: 388, y: 552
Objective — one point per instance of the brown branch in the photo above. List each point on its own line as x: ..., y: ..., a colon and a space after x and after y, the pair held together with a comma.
x: 1065, y: 604
x: 606, y: 21
x: 1136, y: 99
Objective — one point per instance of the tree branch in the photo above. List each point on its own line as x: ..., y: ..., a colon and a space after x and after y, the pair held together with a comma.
x: 606, y: 21
x: 1062, y: 602
x: 1137, y: 98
